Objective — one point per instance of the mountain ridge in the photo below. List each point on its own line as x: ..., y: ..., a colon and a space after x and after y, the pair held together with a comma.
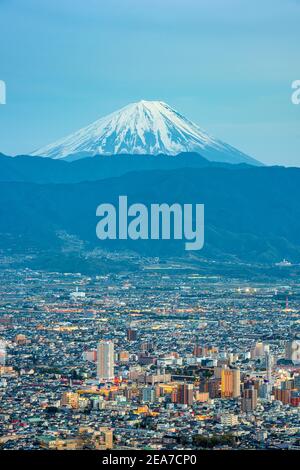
x: 246, y: 216
x: 47, y: 170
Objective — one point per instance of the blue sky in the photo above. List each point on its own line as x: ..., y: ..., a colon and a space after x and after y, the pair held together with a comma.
x: 227, y: 65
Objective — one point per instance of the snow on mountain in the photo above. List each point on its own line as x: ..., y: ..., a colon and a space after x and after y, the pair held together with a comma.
x: 146, y: 127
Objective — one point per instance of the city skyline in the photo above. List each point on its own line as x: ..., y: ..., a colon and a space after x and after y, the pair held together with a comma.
x: 202, y: 362
x: 150, y: 231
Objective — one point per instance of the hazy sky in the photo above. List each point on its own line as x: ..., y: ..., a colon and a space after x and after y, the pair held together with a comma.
x: 227, y: 65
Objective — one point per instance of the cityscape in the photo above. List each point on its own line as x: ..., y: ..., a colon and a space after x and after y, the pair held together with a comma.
x: 149, y: 232
x: 157, y: 359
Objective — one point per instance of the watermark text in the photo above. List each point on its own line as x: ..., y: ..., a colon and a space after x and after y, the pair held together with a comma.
x: 159, y: 222
x: 296, y: 94
x: 2, y: 92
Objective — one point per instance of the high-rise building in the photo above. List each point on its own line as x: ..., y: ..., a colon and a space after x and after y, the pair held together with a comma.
x: 2, y: 353
x: 106, y: 437
x: 131, y: 334
x: 214, y: 385
x: 185, y: 394
x: 269, y: 365
x: 236, y: 383
x: 264, y: 390
x: 283, y: 395
x: 230, y: 383
x: 105, y: 360
x: 218, y: 372
x: 148, y: 394
x: 287, y: 384
x: 249, y: 399
x: 268, y: 386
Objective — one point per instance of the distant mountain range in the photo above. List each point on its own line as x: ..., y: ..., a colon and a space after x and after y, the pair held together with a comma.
x: 143, y: 128
x: 152, y: 154
x: 47, y: 170
x: 251, y: 213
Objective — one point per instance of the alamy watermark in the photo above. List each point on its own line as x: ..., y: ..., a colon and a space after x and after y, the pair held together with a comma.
x: 2, y: 92
x: 296, y: 94
x: 159, y: 222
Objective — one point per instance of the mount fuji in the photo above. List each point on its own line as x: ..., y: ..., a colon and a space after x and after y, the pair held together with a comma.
x: 143, y: 128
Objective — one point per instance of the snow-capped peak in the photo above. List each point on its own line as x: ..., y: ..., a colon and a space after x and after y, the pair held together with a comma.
x: 145, y: 127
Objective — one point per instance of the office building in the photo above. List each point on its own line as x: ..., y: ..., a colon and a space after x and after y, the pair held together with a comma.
x: 185, y: 394
x: 106, y: 436
x: 131, y: 334
x: 105, y: 360
x: 249, y: 399
x: 148, y: 394
x: 230, y: 383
